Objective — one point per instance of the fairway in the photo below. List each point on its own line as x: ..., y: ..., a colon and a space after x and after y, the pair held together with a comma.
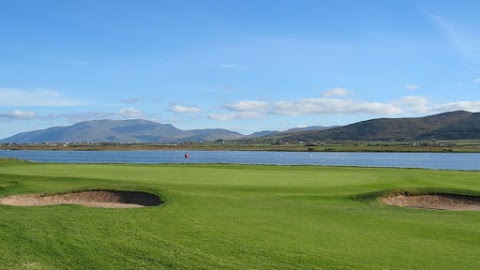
x: 237, y: 217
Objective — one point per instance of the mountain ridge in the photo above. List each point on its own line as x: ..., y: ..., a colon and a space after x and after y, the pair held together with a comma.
x: 121, y: 131
x: 454, y: 125
x: 443, y: 126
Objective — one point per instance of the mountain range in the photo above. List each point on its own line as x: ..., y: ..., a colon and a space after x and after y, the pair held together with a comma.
x: 121, y: 131
x: 457, y: 125
x: 445, y: 126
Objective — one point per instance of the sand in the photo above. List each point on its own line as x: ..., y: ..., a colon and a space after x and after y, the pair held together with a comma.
x: 93, y: 198
x: 435, y: 201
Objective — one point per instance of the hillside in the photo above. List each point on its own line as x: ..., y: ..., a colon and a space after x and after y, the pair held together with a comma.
x: 264, y: 133
x: 445, y: 126
x: 122, y: 131
x: 458, y: 125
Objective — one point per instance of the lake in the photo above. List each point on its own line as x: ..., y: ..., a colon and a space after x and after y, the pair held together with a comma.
x: 444, y: 161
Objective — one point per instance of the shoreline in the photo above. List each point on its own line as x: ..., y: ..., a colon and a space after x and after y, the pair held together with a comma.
x: 462, y: 147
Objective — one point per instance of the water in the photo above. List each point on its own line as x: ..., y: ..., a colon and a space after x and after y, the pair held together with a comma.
x: 445, y: 161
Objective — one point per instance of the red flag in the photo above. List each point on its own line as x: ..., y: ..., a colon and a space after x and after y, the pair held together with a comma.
x: 187, y: 156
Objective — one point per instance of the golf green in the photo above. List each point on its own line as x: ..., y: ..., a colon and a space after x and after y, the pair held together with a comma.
x: 237, y: 217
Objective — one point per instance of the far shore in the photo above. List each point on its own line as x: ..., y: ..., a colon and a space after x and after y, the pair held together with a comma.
x: 470, y: 146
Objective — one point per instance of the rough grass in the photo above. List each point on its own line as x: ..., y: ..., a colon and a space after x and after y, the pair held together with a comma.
x: 12, y: 161
x: 237, y: 217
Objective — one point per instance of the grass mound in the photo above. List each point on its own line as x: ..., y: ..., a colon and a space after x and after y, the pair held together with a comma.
x: 435, y: 201
x: 92, y: 198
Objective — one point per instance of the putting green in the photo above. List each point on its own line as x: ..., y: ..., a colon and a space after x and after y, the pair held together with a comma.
x: 238, y: 217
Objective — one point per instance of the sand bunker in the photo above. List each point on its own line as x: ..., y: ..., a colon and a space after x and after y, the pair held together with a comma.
x: 437, y: 201
x: 92, y: 198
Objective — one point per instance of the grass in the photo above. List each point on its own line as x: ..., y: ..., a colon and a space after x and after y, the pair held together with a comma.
x: 237, y: 217
x: 12, y: 161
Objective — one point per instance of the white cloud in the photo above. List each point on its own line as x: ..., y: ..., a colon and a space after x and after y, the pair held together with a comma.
x: 416, y: 104
x: 243, y: 110
x: 465, y: 41
x: 130, y: 113
x: 236, y: 116
x: 409, y: 105
x: 332, y: 106
x: 471, y: 106
x: 445, y: 26
x: 248, y: 105
x: 336, y: 92
x: 18, y: 115
x: 131, y: 100
x: 10, y: 97
x: 222, y: 117
x: 83, y: 116
x: 412, y: 87
x: 250, y: 115
x: 80, y: 117
x: 185, y: 109
x: 250, y: 109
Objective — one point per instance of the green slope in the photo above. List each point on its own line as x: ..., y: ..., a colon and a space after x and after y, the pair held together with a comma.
x: 447, y: 126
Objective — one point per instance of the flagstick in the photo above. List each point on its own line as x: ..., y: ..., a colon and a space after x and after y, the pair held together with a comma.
x: 185, y: 162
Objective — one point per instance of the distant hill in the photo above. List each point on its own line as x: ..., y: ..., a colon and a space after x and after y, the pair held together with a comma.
x: 445, y: 126
x: 310, y: 128
x: 122, y: 131
x: 263, y: 133
x: 292, y: 130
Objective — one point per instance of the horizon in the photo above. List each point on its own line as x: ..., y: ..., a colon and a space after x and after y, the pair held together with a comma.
x: 205, y: 128
x: 243, y: 66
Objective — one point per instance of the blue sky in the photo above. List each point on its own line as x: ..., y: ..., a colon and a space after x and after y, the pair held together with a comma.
x: 242, y: 65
